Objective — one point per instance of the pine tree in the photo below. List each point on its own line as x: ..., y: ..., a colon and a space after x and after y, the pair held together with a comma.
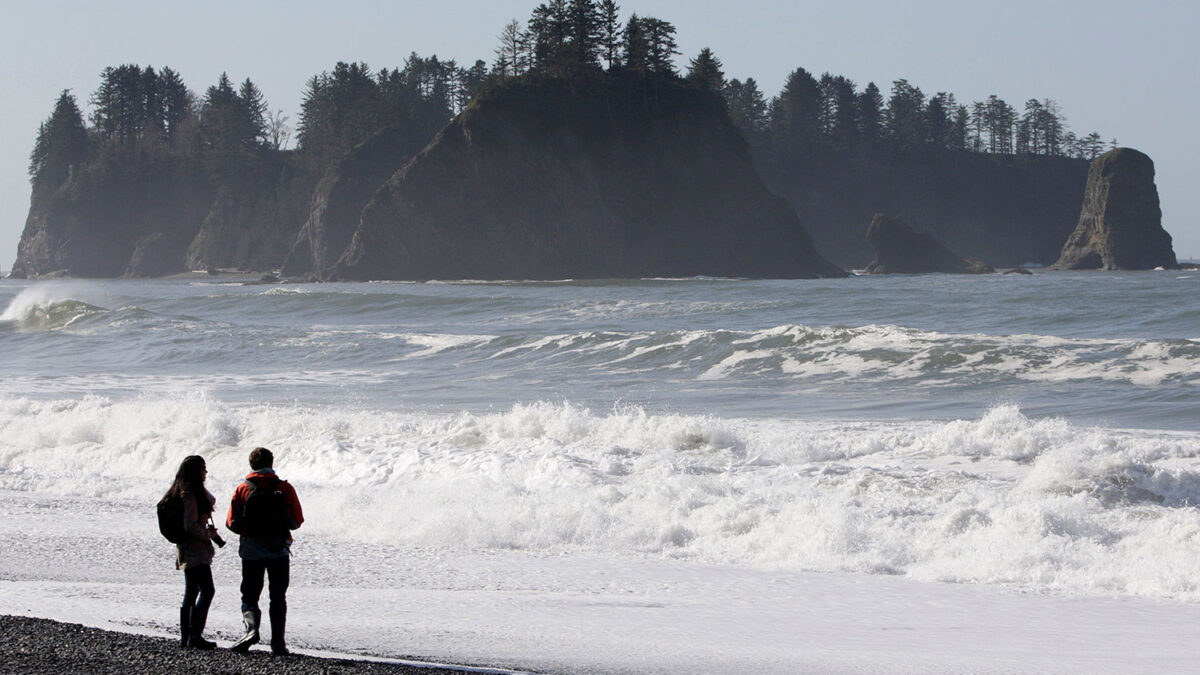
x: 660, y: 46
x: 747, y: 108
x: 960, y: 128
x: 610, y: 33
x: 870, y: 116
x: 795, y: 113
x: 905, y: 116
x: 252, y: 111
x: 937, y: 120
x: 843, y: 107
x: 705, y: 71
x: 61, y: 144
x: 636, y: 48
x: 176, y: 103
x: 583, y: 37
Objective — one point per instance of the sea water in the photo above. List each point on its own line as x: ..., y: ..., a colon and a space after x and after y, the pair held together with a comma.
x: 735, y: 441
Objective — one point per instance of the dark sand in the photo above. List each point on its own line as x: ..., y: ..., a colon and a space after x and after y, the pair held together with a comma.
x: 43, y: 646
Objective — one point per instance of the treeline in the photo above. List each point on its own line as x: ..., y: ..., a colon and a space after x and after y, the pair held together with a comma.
x: 342, y: 108
x: 145, y: 113
x: 830, y: 111
x: 579, y: 38
x: 576, y: 39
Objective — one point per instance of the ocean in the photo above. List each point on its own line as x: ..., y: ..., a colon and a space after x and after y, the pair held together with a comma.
x: 675, y: 472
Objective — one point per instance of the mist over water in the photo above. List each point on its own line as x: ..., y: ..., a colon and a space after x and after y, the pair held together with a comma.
x: 1030, y: 431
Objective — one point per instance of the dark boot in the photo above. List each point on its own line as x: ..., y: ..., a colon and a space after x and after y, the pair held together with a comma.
x: 185, y: 625
x: 251, y: 617
x: 199, y: 619
x: 278, y: 624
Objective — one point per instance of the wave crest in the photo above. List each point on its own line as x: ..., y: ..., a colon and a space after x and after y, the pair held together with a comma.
x: 1036, y: 503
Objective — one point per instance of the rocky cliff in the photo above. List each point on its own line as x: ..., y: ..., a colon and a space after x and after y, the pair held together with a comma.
x: 144, y: 211
x: 1003, y: 209
x: 901, y: 250
x: 343, y: 193
x: 1120, y: 224
x: 538, y: 180
x: 132, y: 214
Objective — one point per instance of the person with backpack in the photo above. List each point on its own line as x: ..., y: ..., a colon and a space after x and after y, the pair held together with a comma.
x: 264, y: 511
x: 184, y: 513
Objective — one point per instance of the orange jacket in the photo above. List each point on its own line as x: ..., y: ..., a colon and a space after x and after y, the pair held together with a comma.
x: 258, y: 478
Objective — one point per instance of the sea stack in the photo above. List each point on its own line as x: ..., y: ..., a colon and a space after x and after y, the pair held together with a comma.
x: 542, y: 178
x: 1120, y: 225
x: 900, y: 250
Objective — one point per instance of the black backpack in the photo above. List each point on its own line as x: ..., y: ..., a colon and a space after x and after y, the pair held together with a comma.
x: 170, y: 518
x: 265, y: 513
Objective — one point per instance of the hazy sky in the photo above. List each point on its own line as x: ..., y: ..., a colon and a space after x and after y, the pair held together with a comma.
x: 1124, y: 69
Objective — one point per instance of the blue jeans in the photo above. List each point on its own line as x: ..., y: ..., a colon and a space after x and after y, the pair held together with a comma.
x: 198, y: 588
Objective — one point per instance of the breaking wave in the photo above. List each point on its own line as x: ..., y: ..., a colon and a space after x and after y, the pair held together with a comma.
x: 1039, y: 504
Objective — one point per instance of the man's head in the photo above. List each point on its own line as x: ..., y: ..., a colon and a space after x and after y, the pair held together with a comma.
x: 261, y: 458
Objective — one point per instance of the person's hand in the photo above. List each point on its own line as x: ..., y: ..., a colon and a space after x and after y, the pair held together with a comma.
x: 212, y: 531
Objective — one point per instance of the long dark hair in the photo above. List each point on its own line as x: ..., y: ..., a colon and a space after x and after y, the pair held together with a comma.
x: 189, y: 482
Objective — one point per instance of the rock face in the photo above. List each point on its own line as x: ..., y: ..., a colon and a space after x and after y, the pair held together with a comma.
x: 900, y: 250
x: 536, y: 180
x: 135, y: 213
x: 125, y: 218
x: 1120, y: 225
x: 340, y: 196
x: 1007, y: 210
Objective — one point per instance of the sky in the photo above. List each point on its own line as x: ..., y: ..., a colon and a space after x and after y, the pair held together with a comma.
x: 1126, y: 71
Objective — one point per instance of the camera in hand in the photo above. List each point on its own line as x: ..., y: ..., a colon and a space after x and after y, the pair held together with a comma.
x: 217, y: 540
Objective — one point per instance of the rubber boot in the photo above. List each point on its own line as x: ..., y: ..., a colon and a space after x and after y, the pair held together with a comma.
x: 278, y: 624
x: 185, y: 625
x: 199, y: 618
x: 251, y: 618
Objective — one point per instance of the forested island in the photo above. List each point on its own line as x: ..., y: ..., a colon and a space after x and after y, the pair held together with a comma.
x: 579, y: 151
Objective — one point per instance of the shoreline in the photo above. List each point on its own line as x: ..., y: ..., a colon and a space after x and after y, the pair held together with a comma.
x: 37, y: 645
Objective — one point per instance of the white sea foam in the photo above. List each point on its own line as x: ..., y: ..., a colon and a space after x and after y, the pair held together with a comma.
x: 48, y: 307
x: 1036, y: 503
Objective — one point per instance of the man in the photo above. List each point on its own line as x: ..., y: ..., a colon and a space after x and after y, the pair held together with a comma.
x: 263, y: 512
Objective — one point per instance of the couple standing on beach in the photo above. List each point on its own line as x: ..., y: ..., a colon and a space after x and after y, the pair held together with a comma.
x: 263, y: 511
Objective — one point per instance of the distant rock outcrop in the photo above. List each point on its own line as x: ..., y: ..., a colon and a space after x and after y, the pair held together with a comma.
x: 541, y: 179
x: 900, y: 250
x: 135, y: 213
x: 131, y: 216
x: 1120, y: 225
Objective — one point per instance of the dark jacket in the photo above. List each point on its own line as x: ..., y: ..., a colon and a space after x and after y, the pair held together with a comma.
x: 253, y: 547
x: 196, y: 548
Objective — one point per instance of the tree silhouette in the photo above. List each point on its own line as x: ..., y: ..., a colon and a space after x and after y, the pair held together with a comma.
x: 62, y: 143
x: 705, y: 71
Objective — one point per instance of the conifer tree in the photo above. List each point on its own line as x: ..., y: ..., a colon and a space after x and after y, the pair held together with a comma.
x: 747, y: 108
x: 583, y: 36
x: 870, y: 116
x: 252, y: 112
x: 905, y: 116
x: 176, y: 103
x: 636, y: 47
x: 610, y: 33
x: 61, y: 144
x: 705, y: 71
x: 661, y: 47
x: 795, y: 113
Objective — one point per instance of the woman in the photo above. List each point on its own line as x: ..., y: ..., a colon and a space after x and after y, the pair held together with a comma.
x: 194, y: 554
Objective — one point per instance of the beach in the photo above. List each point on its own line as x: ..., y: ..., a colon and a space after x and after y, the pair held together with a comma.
x: 35, y: 646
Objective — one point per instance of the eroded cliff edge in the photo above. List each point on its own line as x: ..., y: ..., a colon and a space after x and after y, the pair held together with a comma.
x: 1120, y: 224
x: 621, y: 178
